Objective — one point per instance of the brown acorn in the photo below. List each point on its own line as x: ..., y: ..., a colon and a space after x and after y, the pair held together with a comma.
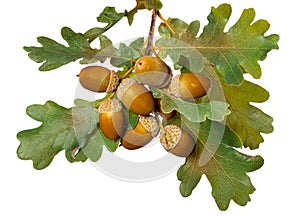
x: 153, y: 71
x: 177, y: 141
x: 145, y: 130
x: 98, y: 79
x: 112, y: 118
x: 135, y: 97
x: 189, y: 85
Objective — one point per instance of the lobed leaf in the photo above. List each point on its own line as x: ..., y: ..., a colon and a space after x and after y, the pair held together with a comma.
x: 121, y: 56
x: 125, y: 55
x: 245, y: 119
x: 141, y: 5
x: 61, y: 129
x: 194, y: 112
x: 233, y: 53
x: 53, y: 55
x: 216, y: 157
x: 110, y: 16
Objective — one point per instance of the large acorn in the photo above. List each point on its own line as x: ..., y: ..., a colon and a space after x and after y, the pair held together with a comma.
x: 153, y: 71
x: 144, y: 131
x: 135, y: 97
x: 112, y: 118
x: 177, y: 141
x: 98, y: 79
x: 189, y: 85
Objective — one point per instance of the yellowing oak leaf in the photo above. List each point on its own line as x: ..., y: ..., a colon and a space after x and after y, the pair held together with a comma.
x: 245, y: 119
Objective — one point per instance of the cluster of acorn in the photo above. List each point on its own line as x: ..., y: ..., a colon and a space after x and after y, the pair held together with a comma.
x: 135, y: 96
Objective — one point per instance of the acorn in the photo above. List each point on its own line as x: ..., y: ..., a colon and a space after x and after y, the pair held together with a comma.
x: 153, y: 71
x: 98, y: 79
x: 166, y: 116
x: 112, y: 118
x: 177, y: 141
x: 135, y: 97
x: 189, y: 85
x: 144, y: 131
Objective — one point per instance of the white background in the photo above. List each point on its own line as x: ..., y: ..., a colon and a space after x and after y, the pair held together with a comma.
x: 80, y: 189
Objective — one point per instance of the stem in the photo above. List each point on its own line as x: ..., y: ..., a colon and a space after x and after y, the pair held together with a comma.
x: 161, y: 126
x: 166, y: 23
x: 127, y: 73
x: 151, y: 33
x: 75, y: 152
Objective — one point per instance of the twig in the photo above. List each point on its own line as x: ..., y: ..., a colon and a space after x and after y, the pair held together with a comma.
x: 127, y: 73
x: 151, y: 33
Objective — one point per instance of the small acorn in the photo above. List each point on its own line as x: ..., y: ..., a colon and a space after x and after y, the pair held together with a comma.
x: 145, y: 130
x: 177, y: 141
x: 98, y: 79
x: 166, y: 116
x: 189, y: 85
x: 135, y: 97
x: 153, y: 71
x: 112, y: 118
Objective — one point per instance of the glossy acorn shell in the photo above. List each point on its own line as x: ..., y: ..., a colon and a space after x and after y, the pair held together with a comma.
x: 136, y: 98
x: 98, y: 79
x: 153, y: 71
x: 136, y: 138
x: 141, y: 135
x: 112, y: 123
x: 193, y: 85
x: 189, y: 85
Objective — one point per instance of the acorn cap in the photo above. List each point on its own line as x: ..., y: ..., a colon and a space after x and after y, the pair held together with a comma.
x: 177, y: 141
x: 171, y: 137
x: 113, y: 82
x: 173, y: 88
x: 110, y: 105
x: 150, y: 124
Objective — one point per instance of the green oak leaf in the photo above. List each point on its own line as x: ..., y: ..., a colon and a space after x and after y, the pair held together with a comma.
x: 94, y: 145
x: 93, y: 148
x: 141, y: 5
x: 54, y: 55
x: 233, y: 53
x: 80, y: 156
x: 245, y: 119
x: 195, y: 112
x: 224, y: 166
x: 122, y: 56
x: 125, y: 55
x: 61, y: 129
x: 132, y: 119
x: 106, y: 51
x: 110, y: 16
